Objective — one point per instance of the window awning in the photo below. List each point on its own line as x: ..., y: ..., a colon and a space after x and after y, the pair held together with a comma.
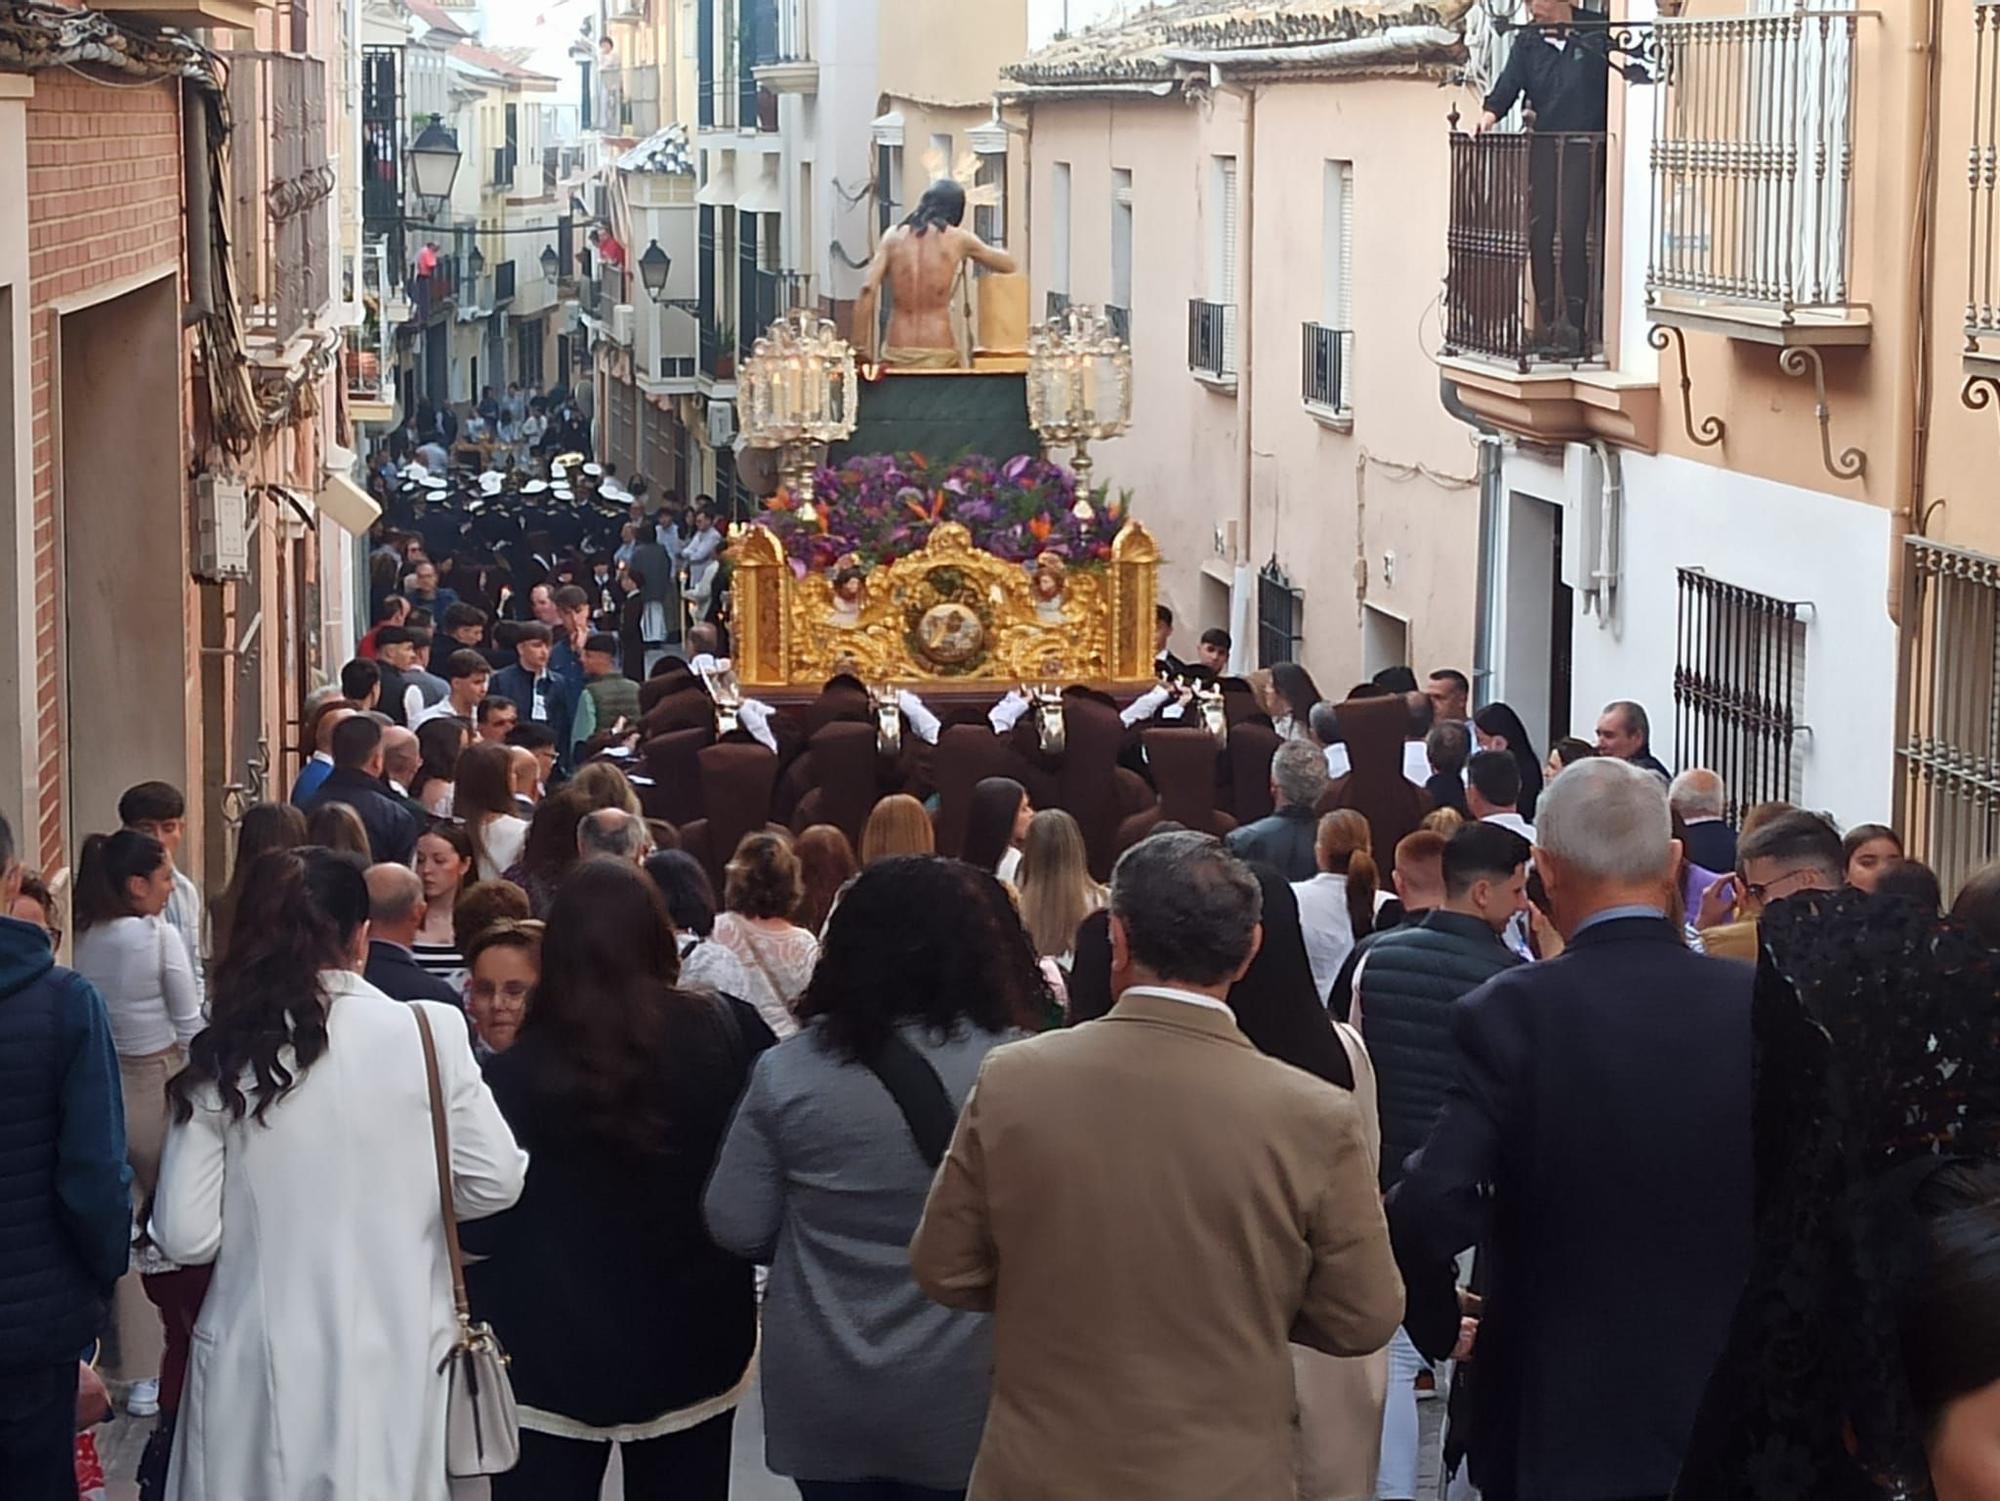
x: 347, y: 504
x: 720, y: 189
x: 763, y: 195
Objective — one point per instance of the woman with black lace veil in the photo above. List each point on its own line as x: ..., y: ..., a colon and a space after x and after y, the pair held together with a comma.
x: 1864, y: 1359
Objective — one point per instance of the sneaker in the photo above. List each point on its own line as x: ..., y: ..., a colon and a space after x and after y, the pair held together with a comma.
x: 143, y: 1399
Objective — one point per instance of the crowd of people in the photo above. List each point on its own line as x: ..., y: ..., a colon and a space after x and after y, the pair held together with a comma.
x: 1166, y: 1153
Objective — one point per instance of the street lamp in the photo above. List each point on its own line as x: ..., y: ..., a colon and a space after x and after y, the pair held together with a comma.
x: 654, y: 266
x: 551, y: 264
x: 434, y: 158
x: 476, y: 263
x: 1079, y: 384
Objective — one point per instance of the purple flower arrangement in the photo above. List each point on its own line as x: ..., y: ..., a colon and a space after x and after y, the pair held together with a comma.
x: 884, y: 506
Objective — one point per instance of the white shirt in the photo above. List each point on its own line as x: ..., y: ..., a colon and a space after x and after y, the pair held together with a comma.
x: 1010, y: 864
x: 1512, y: 821
x: 442, y: 709
x: 502, y: 837
x: 1327, y: 926
x: 1172, y: 993
x: 140, y: 966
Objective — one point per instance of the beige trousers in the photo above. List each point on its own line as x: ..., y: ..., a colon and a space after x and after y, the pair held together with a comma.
x: 144, y: 1079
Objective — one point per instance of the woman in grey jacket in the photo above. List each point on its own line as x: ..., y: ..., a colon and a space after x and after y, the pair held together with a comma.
x: 871, y: 1391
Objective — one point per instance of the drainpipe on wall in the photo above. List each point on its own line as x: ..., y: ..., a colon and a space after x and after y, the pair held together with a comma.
x: 1610, y: 533
x: 1905, y: 504
x: 1490, y: 482
x: 195, y: 191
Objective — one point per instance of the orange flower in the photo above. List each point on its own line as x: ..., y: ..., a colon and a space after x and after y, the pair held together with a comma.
x: 1040, y: 527
x: 916, y: 510
x: 918, y: 461
x: 937, y: 504
x: 782, y: 501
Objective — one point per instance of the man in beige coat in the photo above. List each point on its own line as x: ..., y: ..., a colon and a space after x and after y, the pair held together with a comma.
x: 1154, y: 1210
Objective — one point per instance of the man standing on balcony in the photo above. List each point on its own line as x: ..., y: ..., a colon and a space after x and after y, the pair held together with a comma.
x: 1564, y: 73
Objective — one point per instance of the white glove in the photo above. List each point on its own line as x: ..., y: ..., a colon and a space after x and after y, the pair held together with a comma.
x: 755, y: 717
x: 926, y: 724
x: 1007, y: 713
x: 1145, y: 706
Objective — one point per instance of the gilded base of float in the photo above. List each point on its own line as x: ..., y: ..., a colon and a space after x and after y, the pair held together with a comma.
x: 949, y: 614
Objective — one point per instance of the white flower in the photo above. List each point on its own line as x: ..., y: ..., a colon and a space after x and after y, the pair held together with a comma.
x: 1081, y: 510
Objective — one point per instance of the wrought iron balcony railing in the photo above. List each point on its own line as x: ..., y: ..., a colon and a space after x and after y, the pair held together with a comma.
x: 1324, y: 360
x: 1212, y: 339
x: 1753, y: 161
x: 281, y: 181
x: 1982, y: 258
x: 1525, y: 247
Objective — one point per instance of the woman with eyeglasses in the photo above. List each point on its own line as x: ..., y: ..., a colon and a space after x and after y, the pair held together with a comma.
x: 505, y: 965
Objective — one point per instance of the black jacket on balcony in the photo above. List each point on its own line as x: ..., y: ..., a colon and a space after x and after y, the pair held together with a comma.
x: 1567, y: 87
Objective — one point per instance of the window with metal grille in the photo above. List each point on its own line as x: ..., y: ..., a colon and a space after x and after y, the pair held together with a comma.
x: 1739, y: 689
x: 1948, y: 752
x: 1278, y: 611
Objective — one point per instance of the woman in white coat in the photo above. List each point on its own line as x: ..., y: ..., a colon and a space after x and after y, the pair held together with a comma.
x: 303, y: 1169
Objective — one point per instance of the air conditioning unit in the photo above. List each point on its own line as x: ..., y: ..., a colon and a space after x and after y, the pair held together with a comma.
x: 222, y: 528
x: 1583, y: 516
x: 622, y: 322
x: 721, y: 424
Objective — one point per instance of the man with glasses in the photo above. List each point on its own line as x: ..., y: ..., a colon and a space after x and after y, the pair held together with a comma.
x: 1794, y: 852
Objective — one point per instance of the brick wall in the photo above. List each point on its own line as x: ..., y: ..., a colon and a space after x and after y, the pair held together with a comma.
x: 104, y: 204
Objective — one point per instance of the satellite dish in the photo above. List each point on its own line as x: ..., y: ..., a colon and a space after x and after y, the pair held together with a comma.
x: 757, y: 469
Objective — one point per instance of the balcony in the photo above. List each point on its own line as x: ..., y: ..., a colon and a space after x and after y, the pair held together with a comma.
x: 1212, y: 343
x: 1325, y: 358
x: 1524, y: 279
x: 280, y: 183
x: 1753, y: 178
x: 1524, y: 293
x: 767, y: 297
x: 786, y: 65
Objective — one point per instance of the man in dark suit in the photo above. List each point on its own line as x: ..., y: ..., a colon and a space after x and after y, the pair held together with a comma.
x: 356, y: 779
x: 1701, y: 800
x: 395, y: 913
x: 542, y: 697
x: 1164, y: 661
x: 1563, y: 71
x: 1285, y: 840
x: 1595, y: 1145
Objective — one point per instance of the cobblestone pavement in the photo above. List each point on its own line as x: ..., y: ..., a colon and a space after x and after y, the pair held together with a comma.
x: 120, y: 1442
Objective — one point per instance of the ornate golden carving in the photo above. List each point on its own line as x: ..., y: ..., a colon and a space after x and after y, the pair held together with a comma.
x: 949, y: 613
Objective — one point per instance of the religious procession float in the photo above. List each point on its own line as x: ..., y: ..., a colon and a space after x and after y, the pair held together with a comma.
x: 918, y: 533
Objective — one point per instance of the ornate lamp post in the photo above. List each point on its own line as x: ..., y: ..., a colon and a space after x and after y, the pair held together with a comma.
x: 797, y: 392
x: 1079, y: 383
x: 551, y: 264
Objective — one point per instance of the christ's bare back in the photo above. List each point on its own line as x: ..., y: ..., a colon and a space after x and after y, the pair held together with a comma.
x: 921, y: 270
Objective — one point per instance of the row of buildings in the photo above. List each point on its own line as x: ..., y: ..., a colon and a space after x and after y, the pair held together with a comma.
x: 1731, y: 469
x: 1746, y: 488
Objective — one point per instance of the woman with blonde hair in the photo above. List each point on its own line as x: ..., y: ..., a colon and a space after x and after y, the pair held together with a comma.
x: 1337, y: 907
x: 607, y: 787
x: 1057, y: 892
x: 898, y: 826
x: 336, y: 826
x: 1444, y: 822
x: 761, y: 890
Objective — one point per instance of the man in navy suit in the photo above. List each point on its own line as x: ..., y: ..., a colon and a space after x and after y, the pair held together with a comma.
x: 395, y: 913
x: 1595, y: 1146
x: 542, y: 697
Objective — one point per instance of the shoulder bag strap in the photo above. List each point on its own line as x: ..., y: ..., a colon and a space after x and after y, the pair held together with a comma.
x: 441, y: 1150
x: 918, y: 1092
